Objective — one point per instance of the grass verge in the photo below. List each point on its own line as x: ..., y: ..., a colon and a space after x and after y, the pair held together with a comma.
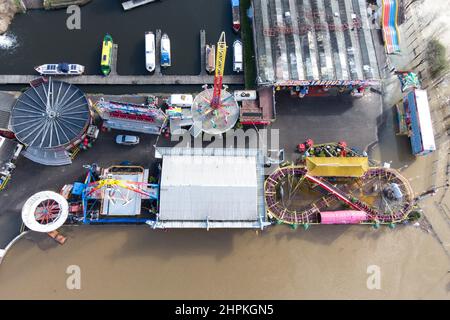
x: 249, y: 50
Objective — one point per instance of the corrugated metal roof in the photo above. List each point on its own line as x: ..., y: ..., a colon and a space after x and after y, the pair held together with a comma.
x: 4, y: 119
x: 213, y: 188
x: 337, y: 167
x: 7, y: 150
x: 6, y: 103
x: 313, y: 40
x: 50, y: 115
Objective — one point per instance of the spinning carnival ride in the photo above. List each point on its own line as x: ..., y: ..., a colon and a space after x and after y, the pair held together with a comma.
x: 131, y: 117
x: 111, y: 187
x: 45, y: 211
x: 50, y: 118
x: 116, y: 195
x: 215, y: 110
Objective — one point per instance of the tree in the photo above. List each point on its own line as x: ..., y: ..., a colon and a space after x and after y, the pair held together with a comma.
x: 437, y: 58
x: 414, y: 216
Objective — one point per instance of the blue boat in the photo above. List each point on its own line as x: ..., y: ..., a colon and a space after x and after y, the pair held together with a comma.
x: 166, y: 60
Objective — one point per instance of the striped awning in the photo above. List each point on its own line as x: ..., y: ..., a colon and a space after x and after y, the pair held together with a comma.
x: 389, y: 24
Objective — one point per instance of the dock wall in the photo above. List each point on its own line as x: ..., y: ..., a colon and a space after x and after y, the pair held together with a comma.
x: 33, y: 4
x: 57, y: 4
x: 128, y: 80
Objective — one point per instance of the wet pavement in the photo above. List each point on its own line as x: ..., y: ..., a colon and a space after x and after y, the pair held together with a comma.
x: 7, y: 100
x: 327, y: 119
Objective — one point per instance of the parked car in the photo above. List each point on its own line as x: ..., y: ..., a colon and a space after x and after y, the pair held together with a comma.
x: 127, y: 140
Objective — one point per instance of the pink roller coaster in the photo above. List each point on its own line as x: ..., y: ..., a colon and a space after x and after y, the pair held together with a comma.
x: 380, y: 196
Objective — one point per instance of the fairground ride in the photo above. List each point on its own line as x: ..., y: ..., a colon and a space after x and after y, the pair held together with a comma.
x: 215, y: 110
x: 119, y: 194
x: 379, y: 196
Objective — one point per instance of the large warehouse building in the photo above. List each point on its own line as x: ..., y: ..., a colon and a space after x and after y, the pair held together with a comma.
x: 211, y: 188
x: 314, y: 43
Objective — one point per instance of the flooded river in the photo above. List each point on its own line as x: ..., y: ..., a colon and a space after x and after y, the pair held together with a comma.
x: 138, y: 262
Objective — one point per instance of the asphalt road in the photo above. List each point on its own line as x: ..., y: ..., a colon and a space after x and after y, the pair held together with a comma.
x: 327, y: 119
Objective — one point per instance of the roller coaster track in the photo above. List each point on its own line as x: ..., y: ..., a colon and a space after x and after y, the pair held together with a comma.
x: 278, y: 210
x: 346, y: 198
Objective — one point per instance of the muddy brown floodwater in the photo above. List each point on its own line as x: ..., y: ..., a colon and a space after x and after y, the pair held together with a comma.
x: 139, y: 263
x: 328, y: 262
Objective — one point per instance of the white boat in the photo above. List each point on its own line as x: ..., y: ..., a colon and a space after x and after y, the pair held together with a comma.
x: 60, y: 69
x: 237, y: 56
x: 150, y: 57
x: 166, y: 60
x: 128, y: 5
x: 210, y: 58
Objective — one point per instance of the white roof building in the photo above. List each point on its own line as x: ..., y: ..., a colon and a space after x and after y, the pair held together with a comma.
x: 211, y: 188
x: 425, y: 121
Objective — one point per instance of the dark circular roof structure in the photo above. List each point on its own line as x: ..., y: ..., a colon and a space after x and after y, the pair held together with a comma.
x: 50, y: 114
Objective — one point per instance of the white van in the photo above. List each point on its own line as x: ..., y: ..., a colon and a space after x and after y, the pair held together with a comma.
x: 180, y: 100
